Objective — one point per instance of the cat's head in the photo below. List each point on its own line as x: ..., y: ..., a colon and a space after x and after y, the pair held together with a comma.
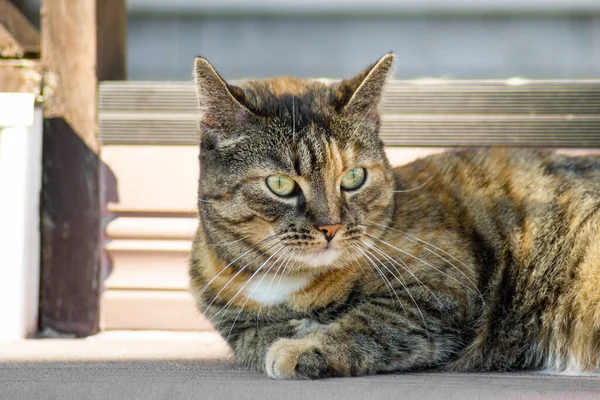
x: 292, y: 171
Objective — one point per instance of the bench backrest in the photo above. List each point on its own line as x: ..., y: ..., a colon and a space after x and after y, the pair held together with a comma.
x: 148, y: 131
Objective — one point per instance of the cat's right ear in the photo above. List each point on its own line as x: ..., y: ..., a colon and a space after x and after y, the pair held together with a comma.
x: 219, y: 109
x: 366, y: 89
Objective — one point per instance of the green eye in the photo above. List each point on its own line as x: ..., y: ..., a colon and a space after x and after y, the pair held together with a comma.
x: 281, y: 185
x: 353, y: 179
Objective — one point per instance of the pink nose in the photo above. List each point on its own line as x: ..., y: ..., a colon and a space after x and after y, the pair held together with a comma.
x: 329, y: 231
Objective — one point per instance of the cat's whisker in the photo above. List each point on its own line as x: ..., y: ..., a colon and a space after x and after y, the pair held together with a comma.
x: 228, y: 305
x: 363, y: 119
x: 415, y: 240
x: 429, y: 265
x: 241, y: 289
x: 251, y: 294
x: 228, y: 243
x: 405, y: 267
x: 402, y: 282
x: 285, y: 260
x: 421, y: 241
x: 415, y: 188
x: 402, y: 265
x: 388, y: 284
x: 355, y: 262
x: 294, y: 116
x: 253, y: 248
x: 239, y: 272
x: 288, y: 268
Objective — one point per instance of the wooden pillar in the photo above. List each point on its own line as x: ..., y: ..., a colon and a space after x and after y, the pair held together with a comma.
x: 83, y: 42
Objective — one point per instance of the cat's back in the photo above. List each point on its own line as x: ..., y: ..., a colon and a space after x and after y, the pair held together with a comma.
x: 532, y: 221
x: 529, y: 223
x: 523, y: 174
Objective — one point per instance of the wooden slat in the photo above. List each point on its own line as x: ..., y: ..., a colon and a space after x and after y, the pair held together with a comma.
x: 149, y: 266
x: 149, y: 252
x: 566, y: 130
x: 151, y: 309
x: 412, y: 97
x: 485, y: 130
x: 152, y: 228
x: 149, y: 245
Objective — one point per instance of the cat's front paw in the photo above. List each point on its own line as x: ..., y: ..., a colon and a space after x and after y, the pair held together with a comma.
x: 296, y: 359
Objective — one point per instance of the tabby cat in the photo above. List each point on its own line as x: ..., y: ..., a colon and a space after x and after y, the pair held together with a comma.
x: 315, y: 258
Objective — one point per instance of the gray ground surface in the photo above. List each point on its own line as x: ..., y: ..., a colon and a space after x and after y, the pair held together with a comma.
x: 185, y: 366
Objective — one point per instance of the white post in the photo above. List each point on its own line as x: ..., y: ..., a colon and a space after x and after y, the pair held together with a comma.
x: 20, y: 187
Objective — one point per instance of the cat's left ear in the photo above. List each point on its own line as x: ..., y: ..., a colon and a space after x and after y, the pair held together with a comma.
x: 365, y: 90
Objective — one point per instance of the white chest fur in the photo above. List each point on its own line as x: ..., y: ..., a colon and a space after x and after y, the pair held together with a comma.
x: 268, y: 289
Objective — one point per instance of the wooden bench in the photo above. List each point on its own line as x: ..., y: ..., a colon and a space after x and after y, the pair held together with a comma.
x: 149, y: 139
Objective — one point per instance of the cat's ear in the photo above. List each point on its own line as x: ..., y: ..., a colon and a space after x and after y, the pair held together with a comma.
x: 218, y: 106
x: 365, y: 89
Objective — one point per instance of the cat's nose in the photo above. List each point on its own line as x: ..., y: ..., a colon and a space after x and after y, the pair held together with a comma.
x: 329, y: 231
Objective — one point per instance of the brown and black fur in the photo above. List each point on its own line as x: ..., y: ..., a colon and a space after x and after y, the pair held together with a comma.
x: 471, y: 260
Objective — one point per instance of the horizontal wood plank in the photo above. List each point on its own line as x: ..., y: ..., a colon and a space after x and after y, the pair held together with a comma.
x: 148, y: 267
x: 152, y: 228
x: 151, y: 309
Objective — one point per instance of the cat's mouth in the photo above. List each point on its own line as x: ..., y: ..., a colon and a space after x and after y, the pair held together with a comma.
x: 320, y: 258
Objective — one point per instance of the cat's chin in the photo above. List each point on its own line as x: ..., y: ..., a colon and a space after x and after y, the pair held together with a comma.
x: 320, y: 258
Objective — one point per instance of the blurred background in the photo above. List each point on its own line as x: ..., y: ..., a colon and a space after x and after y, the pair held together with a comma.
x: 475, y: 39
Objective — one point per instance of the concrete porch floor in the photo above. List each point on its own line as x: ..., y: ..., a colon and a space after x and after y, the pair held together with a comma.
x: 173, y: 365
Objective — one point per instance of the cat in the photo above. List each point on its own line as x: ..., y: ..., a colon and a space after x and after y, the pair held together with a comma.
x: 315, y: 258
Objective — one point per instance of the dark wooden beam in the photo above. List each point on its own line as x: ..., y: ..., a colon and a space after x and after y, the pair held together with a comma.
x: 78, y: 50
x: 18, y: 37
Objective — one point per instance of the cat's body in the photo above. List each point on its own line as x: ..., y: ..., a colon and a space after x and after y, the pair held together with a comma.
x: 469, y: 260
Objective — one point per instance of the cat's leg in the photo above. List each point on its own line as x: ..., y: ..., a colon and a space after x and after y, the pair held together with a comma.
x: 369, y: 339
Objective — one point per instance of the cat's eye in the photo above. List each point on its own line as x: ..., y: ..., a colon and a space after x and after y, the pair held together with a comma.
x: 353, y: 179
x: 281, y: 185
